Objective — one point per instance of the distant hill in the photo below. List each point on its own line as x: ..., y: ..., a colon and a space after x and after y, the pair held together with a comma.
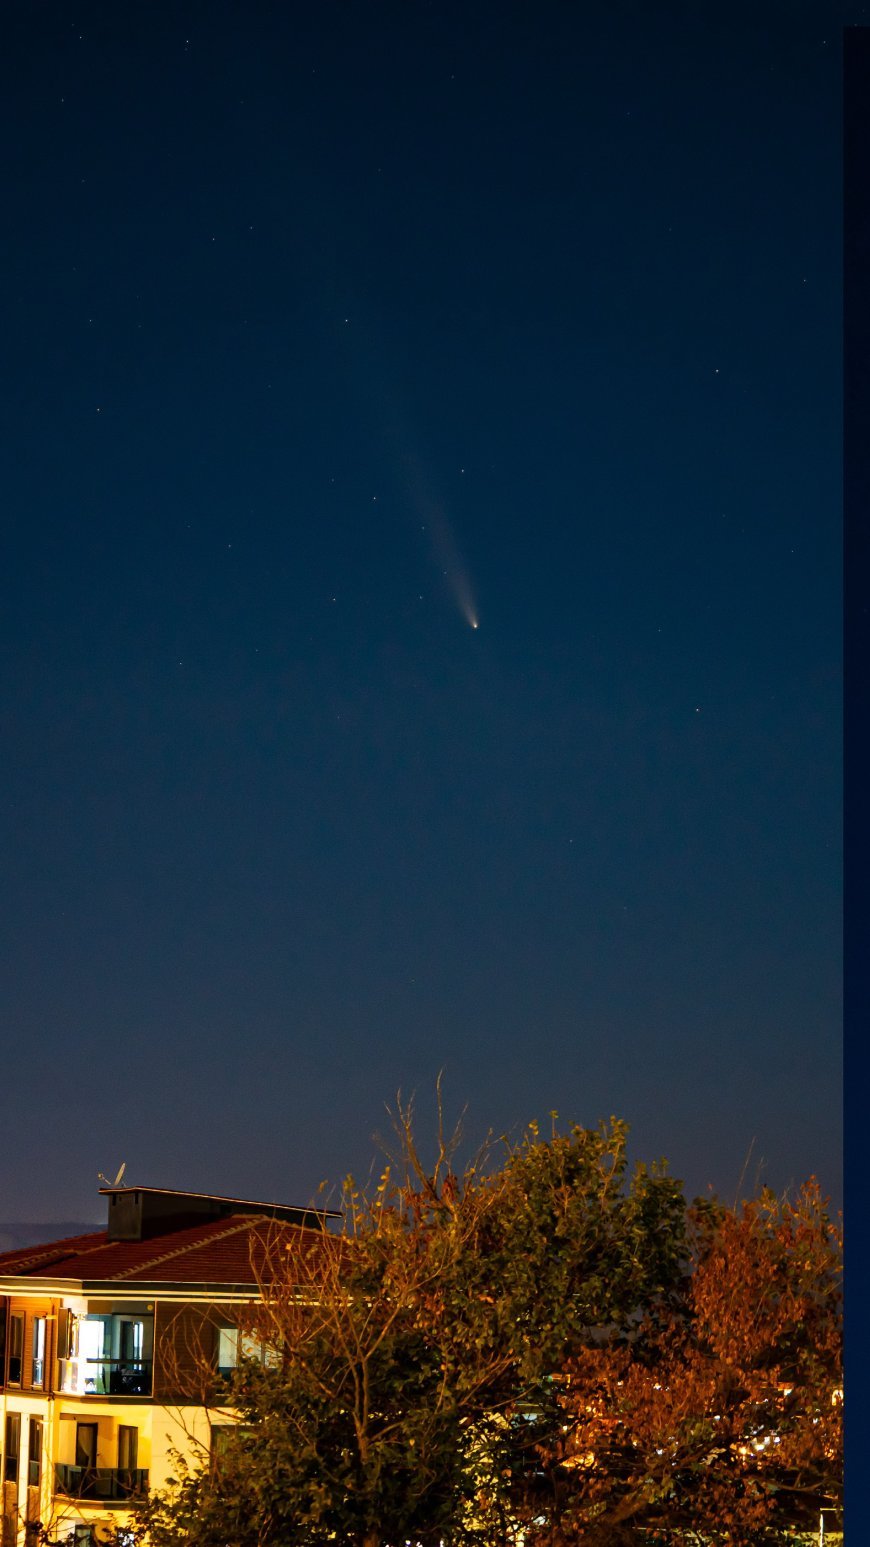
x: 24, y: 1233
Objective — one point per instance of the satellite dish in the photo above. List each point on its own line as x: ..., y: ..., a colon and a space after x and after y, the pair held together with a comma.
x: 117, y: 1182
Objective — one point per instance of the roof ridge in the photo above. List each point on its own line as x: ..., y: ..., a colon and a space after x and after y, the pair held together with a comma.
x: 179, y: 1251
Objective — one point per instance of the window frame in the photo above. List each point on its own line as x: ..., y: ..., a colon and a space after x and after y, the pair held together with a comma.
x: 16, y: 1325
x: 91, y: 1427
x: 128, y: 1435
x: 12, y: 1450
x: 245, y: 1347
x: 35, y: 1442
x: 38, y: 1341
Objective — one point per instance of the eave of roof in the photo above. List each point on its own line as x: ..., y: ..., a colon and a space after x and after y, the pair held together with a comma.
x: 126, y: 1289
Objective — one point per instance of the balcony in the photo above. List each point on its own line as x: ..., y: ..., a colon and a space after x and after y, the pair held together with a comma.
x: 107, y: 1354
x: 101, y: 1484
x: 105, y: 1377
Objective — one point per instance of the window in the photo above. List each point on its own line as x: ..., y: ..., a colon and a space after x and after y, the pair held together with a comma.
x: 107, y: 1355
x: 34, y: 1453
x: 131, y: 1337
x: 222, y: 1435
x: 16, y: 1349
x: 261, y: 1353
x: 13, y: 1448
x: 128, y: 1447
x: 64, y: 1334
x: 234, y: 1345
x: 37, y: 1375
x: 228, y: 1349
x: 86, y: 1446
x: 95, y: 1375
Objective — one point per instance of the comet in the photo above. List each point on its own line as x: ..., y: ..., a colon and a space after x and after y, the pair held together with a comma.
x: 442, y: 541
x: 418, y: 485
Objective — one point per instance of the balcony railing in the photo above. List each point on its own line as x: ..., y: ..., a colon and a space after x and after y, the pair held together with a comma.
x: 106, y: 1377
x: 101, y: 1484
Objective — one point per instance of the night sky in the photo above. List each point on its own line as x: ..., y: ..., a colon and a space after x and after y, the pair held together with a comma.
x: 332, y: 329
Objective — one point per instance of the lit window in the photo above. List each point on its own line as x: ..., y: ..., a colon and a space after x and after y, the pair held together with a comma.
x: 235, y: 1345
x: 38, y: 1367
x: 228, y: 1349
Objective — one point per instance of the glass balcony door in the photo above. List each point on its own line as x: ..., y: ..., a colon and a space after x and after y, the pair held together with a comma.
x: 86, y: 1446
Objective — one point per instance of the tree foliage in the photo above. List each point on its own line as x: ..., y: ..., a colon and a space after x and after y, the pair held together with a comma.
x: 719, y: 1418
x: 541, y: 1346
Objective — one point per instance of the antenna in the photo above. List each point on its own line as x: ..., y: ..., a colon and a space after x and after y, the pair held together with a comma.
x: 117, y: 1182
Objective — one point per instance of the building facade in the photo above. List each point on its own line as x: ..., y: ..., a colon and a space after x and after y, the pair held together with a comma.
x: 112, y: 1346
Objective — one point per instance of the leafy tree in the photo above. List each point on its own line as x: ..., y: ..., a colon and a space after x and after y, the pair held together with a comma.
x: 719, y: 1417
x: 539, y: 1348
x: 417, y: 1347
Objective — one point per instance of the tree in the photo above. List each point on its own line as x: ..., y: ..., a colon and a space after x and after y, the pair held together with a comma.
x: 538, y: 1347
x: 416, y: 1348
x: 719, y: 1418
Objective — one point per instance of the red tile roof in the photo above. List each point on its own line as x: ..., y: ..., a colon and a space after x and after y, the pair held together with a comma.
x: 31, y: 1259
x: 232, y: 1250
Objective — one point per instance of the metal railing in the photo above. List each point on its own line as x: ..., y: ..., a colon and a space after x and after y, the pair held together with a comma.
x: 101, y: 1484
x: 106, y: 1377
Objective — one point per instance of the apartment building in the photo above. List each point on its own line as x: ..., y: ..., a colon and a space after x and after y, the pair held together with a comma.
x: 108, y: 1342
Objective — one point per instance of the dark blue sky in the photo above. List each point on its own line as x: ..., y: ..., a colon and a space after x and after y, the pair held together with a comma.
x: 302, y: 305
